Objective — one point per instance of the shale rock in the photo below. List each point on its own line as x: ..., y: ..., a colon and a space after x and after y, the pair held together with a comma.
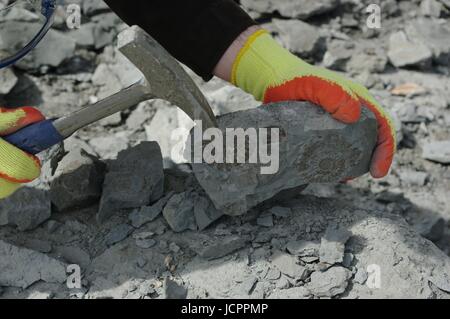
x: 27, y: 208
x: 134, y: 180
x: 78, y: 181
x: 313, y: 148
x: 21, y: 267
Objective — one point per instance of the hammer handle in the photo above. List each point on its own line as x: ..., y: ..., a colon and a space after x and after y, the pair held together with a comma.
x: 40, y: 136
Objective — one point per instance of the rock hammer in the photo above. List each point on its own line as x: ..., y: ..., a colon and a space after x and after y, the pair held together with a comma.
x: 163, y: 78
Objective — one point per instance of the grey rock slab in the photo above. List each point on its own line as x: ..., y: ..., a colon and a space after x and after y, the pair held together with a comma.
x: 134, y: 180
x: 361, y: 276
x: 141, y: 216
x: 7, y: 80
x: 338, y: 54
x: 281, y: 212
x: 118, y: 234
x: 313, y: 148
x: 265, y: 221
x: 204, y: 211
x: 15, y: 270
x: 303, y: 248
x: 433, y: 34
x: 291, y: 8
x: 290, y: 293
x: 77, y: 181
x: 27, y: 208
x: 173, y: 290
x: 299, y: 37
x: 442, y: 281
x: 179, y: 212
x: 404, y: 51
x: 431, y: 8
x: 74, y: 255
x: 330, y: 283
x: 223, y: 248
x: 287, y: 264
x: 437, y: 151
x: 332, y: 245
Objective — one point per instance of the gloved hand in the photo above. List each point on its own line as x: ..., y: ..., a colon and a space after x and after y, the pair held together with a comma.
x: 271, y: 74
x: 16, y: 166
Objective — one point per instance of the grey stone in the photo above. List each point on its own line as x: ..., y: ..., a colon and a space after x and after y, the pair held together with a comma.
x: 249, y: 284
x: 361, y: 276
x: 316, y: 147
x: 118, y: 234
x: 437, y: 151
x: 27, y: 208
x: 108, y: 147
x: 332, y: 245
x: 338, y: 54
x: 145, y: 243
x: 134, y: 180
x: 287, y: 264
x: 7, y: 80
x: 77, y: 181
x: 441, y: 280
x: 348, y: 259
x: 15, y: 270
x: 412, y: 177
x: 291, y: 8
x: 265, y: 221
x: 204, y: 211
x: 41, y: 246
x: 303, y: 248
x: 404, y: 51
x: 299, y: 37
x: 141, y: 216
x: 433, y: 34
x: 179, y: 212
x: 291, y: 293
x: 433, y: 228
x: 223, y: 248
x: 281, y: 212
x: 172, y: 290
x: 84, y: 36
x: 92, y: 7
x: 431, y: 8
x: 74, y: 255
x: 330, y: 283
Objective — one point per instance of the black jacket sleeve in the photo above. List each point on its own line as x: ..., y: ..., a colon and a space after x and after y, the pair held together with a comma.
x: 196, y: 32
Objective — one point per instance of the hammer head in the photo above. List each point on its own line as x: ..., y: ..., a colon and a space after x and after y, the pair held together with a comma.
x: 164, y: 77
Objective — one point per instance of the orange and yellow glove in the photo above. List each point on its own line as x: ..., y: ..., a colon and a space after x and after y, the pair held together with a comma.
x: 16, y: 166
x: 272, y: 74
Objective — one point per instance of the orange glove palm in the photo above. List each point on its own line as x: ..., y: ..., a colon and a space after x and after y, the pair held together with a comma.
x: 272, y: 74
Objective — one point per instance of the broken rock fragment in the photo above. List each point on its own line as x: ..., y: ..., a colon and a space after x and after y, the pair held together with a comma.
x: 437, y: 151
x: 146, y: 214
x: 330, y: 283
x: 134, y: 180
x: 27, y: 208
x: 332, y: 246
x: 311, y: 147
x: 404, y: 51
x: 21, y: 267
x: 78, y: 181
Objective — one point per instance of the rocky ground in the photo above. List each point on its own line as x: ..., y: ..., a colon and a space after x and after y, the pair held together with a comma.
x: 140, y: 226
